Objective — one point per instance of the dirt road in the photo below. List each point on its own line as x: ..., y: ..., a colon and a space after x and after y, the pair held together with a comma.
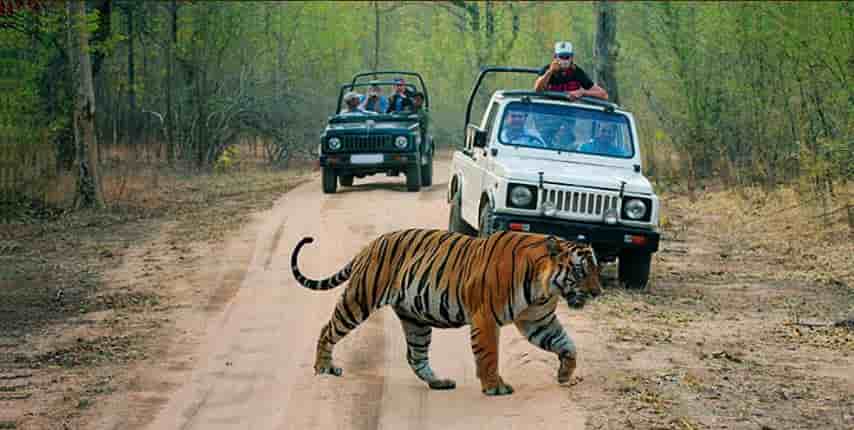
x: 256, y: 366
x: 715, y: 342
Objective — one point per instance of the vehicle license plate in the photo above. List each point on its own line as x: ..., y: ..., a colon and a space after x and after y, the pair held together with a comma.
x: 366, y: 158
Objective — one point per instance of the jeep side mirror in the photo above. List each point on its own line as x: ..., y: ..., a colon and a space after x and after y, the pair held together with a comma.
x: 475, y: 136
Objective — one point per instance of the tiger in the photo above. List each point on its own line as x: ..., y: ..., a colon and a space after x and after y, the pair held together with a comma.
x: 440, y: 279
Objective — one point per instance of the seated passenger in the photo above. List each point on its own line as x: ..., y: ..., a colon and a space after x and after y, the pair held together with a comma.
x: 604, y: 143
x: 375, y: 102
x: 400, y: 101
x: 564, y: 138
x: 419, y: 109
x: 417, y: 102
x: 516, y: 132
x: 351, y: 103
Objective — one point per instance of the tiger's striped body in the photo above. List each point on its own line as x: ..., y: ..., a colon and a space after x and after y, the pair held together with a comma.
x: 435, y: 278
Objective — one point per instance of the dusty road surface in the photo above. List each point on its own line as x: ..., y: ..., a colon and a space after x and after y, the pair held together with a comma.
x: 728, y: 335
x: 255, y: 368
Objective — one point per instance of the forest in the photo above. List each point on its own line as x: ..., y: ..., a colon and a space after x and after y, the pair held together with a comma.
x: 743, y: 93
x: 159, y: 163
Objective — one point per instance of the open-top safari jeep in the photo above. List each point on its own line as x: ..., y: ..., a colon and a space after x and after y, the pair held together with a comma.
x: 355, y: 146
x: 545, y: 163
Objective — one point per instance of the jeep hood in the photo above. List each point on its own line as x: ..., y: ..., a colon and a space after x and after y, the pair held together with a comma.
x: 572, y: 173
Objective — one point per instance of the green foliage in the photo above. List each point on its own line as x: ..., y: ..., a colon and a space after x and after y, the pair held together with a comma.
x: 229, y: 158
x: 749, y: 91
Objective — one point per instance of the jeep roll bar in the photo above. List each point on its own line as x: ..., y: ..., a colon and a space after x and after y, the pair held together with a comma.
x: 346, y: 87
x: 485, y: 71
x: 555, y: 95
x: 394, y: 72
x: 609, y: 107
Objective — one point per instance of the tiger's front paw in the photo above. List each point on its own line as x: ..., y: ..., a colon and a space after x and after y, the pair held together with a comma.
x: 501, y: 389
x: 328, y: 370
x: 442, y: 384
x: 567, y: 368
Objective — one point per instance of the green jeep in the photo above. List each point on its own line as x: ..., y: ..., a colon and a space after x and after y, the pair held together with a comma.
x: 355, y: 145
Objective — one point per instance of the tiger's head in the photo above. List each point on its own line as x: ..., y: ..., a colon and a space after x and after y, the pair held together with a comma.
x: 573, y: 272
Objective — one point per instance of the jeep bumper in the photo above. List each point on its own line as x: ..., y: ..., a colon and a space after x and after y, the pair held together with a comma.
x: 608, y: 238
x: 369, y: 162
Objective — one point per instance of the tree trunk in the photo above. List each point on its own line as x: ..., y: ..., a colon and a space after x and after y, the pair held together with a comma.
x: 606, y: 49
x: 88, y: 180
x: 170, y: 78
x: 131, y: 76
x: 376, y: 35
x: 104, y: 8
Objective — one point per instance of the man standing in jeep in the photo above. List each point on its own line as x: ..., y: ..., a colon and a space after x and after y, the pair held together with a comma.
x: 563, y: 75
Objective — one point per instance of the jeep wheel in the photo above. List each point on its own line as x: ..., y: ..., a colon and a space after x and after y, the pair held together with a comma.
x: 485, y: 225
x: 330, y: 181
x: 346, y: 180
x: 456, y: 224
x: 427, y: 172
x: 413, y: 178
x: 633, y: 268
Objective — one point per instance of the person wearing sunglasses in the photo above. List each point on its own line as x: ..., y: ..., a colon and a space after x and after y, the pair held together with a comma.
x: 400, y: 101
x: 375, y: 102
x: 563, y: 75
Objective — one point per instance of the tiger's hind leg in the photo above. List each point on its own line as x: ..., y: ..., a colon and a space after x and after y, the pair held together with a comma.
x: 348, y: 314
x: 544, y: 331
x: 418, y: 337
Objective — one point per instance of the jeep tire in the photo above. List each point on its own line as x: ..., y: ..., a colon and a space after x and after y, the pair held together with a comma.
x: 330, y: 181
x: 633, y: 269
x: 456, y: 224
x: 427, y: 172
x: 346, y: 180
x: 413, y: 178
x: 485, y: 227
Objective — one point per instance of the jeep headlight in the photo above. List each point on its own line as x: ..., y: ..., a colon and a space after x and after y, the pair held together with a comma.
x: 334, y: 143
x: 401, y: 142
x: 521, y: 196
x: 635, y: 209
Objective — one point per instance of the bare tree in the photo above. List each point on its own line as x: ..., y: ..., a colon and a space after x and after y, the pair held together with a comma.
x: 86, y: 142
x: 606, y: 49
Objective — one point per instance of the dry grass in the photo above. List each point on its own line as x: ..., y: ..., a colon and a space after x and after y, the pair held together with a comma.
x: 140, y: 176
x: 808, y: 237
x: 736, y: 330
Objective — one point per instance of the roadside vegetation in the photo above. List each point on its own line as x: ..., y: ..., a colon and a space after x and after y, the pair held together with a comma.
x: 205, y: 112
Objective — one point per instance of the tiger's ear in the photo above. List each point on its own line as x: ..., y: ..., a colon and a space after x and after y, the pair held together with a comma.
x: 553, y: 246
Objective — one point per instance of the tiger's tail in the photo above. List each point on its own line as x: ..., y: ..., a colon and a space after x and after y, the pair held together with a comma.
x: 325, y: 284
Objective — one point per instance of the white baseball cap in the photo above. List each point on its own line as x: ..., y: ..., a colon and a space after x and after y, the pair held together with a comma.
x: 563, y: 48
x: 351, y: 95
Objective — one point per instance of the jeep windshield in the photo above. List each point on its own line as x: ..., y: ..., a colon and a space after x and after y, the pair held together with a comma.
x: 566, y: 129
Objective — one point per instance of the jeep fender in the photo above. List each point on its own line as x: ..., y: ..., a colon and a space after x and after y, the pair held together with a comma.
x: 453, y: 185
x: 486, y: 196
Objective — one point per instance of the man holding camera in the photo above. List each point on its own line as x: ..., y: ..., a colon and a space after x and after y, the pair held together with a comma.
x: 400, y: 101
x: 563, y: 75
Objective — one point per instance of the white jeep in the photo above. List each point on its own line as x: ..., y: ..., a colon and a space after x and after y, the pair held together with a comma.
x: 540, y: 162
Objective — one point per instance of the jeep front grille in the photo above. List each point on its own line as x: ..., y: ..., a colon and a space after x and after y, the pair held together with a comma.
x: 367, y: 143
x: 580, y: 204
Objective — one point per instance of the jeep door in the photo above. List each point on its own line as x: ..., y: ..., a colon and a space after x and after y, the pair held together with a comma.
x: 477, y: 168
